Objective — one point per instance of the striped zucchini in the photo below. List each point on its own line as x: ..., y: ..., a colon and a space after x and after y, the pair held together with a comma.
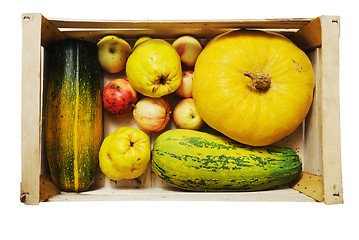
x: 74, y: 115
x: 199, y: 161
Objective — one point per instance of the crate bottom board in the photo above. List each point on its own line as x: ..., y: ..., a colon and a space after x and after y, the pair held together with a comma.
x: 283, y: 194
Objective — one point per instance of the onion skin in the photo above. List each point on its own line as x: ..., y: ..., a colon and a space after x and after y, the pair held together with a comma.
x: 152, y: 114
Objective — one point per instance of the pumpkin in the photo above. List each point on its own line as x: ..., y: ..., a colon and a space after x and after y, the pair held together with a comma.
x: 253, y: 86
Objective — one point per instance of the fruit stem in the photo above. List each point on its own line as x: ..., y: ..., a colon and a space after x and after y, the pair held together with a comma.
x: 260, y: 81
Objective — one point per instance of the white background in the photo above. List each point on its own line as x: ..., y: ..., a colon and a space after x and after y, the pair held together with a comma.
x: 166, y: 219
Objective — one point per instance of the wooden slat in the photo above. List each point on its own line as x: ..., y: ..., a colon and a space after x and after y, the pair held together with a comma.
x: 265, y: 23
x: 311, y: 185
x: 49, y: 33
x: 330, y: 111
x: 30, y: 107
x: 312, y: 144
x: 133, y: 35
x: 47, y: 188
x: 171, y: 194
x: 309, y: 36
x: 170, y: 34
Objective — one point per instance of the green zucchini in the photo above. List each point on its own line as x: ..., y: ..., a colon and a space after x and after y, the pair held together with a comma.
x: 73, y: 118
x: 199, y: 161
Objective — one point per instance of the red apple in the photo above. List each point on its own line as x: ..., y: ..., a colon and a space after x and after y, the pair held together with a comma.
x: 188, y: 49
x: 119, y: 97
x: 186, y: 116
x: 152, y: 114
x: 185, y: 89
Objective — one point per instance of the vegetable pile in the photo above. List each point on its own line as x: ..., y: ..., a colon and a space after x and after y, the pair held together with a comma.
x: 251, y: 87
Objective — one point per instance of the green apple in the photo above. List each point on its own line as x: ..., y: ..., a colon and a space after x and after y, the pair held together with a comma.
x: 113, y: 52
x: 186, y: 116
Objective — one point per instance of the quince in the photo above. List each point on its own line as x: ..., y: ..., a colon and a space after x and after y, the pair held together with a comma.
x: 125, y: 153
x: 154, y: 68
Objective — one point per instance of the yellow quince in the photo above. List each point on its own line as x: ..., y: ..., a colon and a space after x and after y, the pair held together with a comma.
x: 154, y: 68
x: 125, y: 153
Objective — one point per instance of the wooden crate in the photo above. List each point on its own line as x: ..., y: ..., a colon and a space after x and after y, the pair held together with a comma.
x: 317, y: 140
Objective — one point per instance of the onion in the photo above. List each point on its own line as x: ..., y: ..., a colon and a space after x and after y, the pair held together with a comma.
x: 152, y: 114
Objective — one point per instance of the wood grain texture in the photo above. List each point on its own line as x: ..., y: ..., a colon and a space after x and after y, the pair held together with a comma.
x: 311, y: 185
x: 47, y: 188
x: 312, y: 143
x: 172, y: 194
x: 285, y: 23
x: 309, y: 36
x: 330, y: 111
x: 30, y: 108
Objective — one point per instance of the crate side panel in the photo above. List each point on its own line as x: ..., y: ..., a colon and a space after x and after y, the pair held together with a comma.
x: 312, y: 143
x: 309, y: 36
x: 170, y: 34
x: 45, y: 76
x: 131, y: 35
x: 30, y: 108
x: 171, y: 194
x: 49, y: 34
x: 330, y: 111
x: 287, y: 23
x: 206, y: 29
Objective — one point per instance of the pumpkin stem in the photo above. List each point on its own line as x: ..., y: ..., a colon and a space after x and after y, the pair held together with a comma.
x: 260, y: 81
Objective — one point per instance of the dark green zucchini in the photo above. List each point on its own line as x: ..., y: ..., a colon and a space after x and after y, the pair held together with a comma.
x: 73, y: 117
